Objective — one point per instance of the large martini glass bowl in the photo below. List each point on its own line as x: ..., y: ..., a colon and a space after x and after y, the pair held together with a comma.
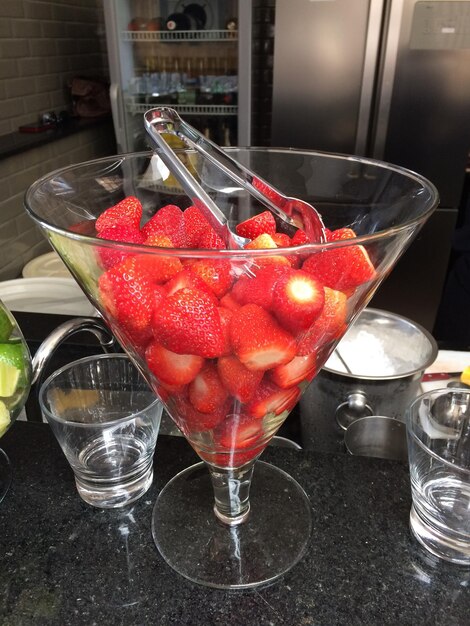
x: 229, y: 339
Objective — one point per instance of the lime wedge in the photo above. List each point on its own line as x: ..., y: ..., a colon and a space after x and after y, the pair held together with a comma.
x: 13, y: 353
x: 9, y: 378
x: 6, y: 325
x: 4, y: 418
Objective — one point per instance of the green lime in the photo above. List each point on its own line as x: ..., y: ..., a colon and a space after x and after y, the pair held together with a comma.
x: 13, y: 353
x: 6, y: 325
x: 4, y: 418
x: 9, y: 378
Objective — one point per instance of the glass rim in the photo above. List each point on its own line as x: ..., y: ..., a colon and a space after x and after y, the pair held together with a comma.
x: 411, y: 432
x: 96, y: 357
x: 118, y: 159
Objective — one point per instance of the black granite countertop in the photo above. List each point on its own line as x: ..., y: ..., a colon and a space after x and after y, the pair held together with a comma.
x: 64, y: 562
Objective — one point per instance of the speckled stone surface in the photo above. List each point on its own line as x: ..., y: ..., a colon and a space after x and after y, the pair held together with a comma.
x: 66, y: 563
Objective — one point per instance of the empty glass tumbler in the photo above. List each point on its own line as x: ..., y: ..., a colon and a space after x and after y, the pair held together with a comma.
x: 106, y: 420
x: 438, y: 429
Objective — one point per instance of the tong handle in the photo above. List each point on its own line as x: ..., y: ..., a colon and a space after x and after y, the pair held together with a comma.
x: 290, y: 211
x: 167, y: 120
x: 155, y: 124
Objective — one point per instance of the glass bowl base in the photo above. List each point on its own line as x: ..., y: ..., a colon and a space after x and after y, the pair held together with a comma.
x: 199, y: 547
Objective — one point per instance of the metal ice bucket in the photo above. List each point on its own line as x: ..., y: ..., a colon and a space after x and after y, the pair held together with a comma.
x: 375, y: 370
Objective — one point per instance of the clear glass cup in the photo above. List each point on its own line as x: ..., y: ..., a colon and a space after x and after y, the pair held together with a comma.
x: 438, y: 430
x: 219, y: 527
x: 106, y: 420
x: 15, y: 383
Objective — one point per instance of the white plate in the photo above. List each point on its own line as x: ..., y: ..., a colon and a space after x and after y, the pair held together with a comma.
x: 46, y: 265
x: 46, y: 295
x: 446, y: 361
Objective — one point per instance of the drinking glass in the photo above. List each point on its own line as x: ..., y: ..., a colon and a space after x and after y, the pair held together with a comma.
x: 438, y: 429
x: 248, y: 362
x: 106, y: 420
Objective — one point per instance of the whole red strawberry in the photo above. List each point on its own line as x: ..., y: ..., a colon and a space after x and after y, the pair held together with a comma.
x: 195, y: 224
x: 237, y: 379
x: 188, y: 322
x: 206, y: 392
x: 125, y: 233
x: 263, y: 223
x: 186, y: 279
x: 216, y: 273
x: 342, y: 269
x: 191, y: 420
x: 210, y: 240
x: 258, y: 289
x: 127, y: 212
x: 167, y: 221
x: 329, y: 326
x: 160, y: 267
x: 128, y: 298
x: 297, y: 300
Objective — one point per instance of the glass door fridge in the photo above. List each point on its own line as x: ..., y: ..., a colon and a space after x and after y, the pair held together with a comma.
x: 191, y: 56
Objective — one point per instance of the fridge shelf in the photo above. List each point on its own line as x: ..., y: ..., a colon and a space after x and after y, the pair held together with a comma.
x: 185, y: 109
x: 180, y: 35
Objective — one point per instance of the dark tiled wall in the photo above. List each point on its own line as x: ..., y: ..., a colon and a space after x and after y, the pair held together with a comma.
x: 43, y: 44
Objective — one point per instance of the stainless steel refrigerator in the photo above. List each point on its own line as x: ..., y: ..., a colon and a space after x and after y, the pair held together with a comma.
x: 389, y: 79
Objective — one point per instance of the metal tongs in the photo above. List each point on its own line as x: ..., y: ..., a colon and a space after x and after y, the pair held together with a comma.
x: 292, y: 212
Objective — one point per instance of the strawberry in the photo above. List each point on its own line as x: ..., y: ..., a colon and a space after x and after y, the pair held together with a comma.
x: 124, y: 233
x: 160, y: 267
x: 210, y: 240
x: 342, y: 269
x: 171, y: 368
x: 167, y: 221
x: 281, y: 240
x: 191, y: 420
x: 258, y: 340
x: 258, y: 289
x: 238, y: 432
x: 206, y: 392
x: 269, y: 398
x: 194, y: 225
x: 188, y: 322
x: 297, y: 300
x: 128, y: 297
x: 263, y: 241
x: 263, y: 223
x: 240, y: 382
x: 217, y: 274
x: 225, y: 320
x: 329, y: 326
x: 299, y: 369
x: 299, y: 238
x: 186, y: 279
x: 127, y: 212
x: 228, y: 302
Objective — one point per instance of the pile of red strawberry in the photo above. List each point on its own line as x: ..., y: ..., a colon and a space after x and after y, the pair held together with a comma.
x: 228, y: 350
